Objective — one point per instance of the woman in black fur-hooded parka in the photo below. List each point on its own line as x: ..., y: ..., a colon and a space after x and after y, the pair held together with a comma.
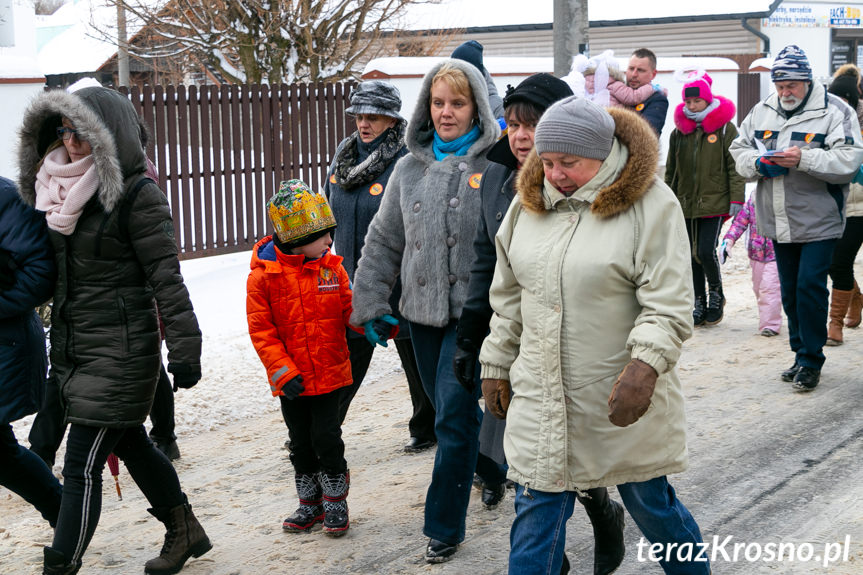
x: 81, y: 162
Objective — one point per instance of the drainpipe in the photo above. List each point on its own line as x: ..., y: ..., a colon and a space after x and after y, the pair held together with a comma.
x: 764, y: 38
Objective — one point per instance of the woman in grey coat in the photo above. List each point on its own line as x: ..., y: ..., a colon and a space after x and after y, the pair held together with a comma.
x: 423, y: 233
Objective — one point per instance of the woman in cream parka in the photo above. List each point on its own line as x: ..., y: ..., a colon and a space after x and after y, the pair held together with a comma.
x: 592, y: 296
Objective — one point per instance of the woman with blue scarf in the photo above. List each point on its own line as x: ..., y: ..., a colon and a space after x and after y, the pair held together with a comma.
x: 423, y: 234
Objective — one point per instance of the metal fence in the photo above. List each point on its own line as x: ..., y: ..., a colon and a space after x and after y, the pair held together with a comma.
x: 221, y: 152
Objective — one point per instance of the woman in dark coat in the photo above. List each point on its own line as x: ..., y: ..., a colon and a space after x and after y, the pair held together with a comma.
x: 26, y: 280
x: 355, y: 185
x: 81, y: 162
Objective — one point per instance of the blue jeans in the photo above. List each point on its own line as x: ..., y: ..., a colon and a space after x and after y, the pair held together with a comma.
x: 457, y: 421
x: 538, y: 534
x: 805, y: 298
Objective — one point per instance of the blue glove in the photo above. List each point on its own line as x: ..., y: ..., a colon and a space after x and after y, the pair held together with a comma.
x: 858, y: 179
x: 734, y: 209
x: 379, y: 330
x: 293, y: 387
x: 769, y: 169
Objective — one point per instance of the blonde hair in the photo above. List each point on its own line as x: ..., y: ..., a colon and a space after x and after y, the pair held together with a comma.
x: 456, y: 79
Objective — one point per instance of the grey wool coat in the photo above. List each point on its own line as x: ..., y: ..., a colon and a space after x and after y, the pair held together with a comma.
x: 105, y: 343
x: 427, y: 221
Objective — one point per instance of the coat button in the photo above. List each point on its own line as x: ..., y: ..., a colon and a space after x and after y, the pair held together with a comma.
x: 556, y: 309
x: 450, y: 241
x: 452, y: 279
x: 421, y: 281
x: 498, y: 216
x: 453, y: 202
x: 426, y: 172
x: 560, y: 483
x: 462, y: 166
x: 416, y: 207
x: 573, y: 219
x: 417, y: 245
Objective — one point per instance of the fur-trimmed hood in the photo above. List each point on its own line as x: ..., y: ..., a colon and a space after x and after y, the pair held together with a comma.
x: 103, y: 117
x: 717, y: 118
x: 636, y: 176
x: 420, y: 132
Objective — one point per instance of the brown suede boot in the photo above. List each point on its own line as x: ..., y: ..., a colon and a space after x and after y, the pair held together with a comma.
x: 839, y: 301
x: 184, y: 538
x: 852, y: 319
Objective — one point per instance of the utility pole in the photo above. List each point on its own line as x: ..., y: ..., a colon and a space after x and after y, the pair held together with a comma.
x: 570, y: 30
x: 122, y: 46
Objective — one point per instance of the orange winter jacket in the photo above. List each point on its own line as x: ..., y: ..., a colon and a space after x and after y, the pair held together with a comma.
x: 297, y: 313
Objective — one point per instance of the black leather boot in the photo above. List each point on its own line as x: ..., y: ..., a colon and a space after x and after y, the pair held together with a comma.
x: 55, y: 563
x: 606, y: 517
x: 184, y: 538
x: 715, y: 305
x: 311, y: 509
x: 335, y: 487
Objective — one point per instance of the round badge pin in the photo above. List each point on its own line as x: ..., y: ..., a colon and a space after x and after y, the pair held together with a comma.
x: 376, y: 189
x: 332, y: 178
x: 475, y: 180
x: 712, y: 138
x: 639, y: 107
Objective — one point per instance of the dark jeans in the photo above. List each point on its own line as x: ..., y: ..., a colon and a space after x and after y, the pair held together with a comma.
x: 162, y: 411
x: 844, y: 254
x: 87, y: 449
x: 46, y: 433
x: 457, y: 422
x: 315, y: 433
x: 803, y: 282
x: 22, y: 472
x: 538, y: 533
x: 703, y: 239
x: 421, y: 424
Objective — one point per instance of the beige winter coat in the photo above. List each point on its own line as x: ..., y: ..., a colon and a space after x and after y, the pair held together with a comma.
x: 582, y: 285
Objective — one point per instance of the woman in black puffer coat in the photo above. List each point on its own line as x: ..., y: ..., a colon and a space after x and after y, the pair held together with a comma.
x: 81, y: 162
x: 26, y: 280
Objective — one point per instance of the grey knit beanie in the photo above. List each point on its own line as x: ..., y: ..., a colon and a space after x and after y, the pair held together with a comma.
x: 575, y: 126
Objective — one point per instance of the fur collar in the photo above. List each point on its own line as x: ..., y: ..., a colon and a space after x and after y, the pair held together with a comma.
x: 714, y: 120
x: 104, y: 117
x: 636, y: 177
x: 420, y: 129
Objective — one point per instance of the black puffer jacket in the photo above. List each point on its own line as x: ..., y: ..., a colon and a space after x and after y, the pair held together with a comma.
x: 23, y: 363
x: 105, y: 341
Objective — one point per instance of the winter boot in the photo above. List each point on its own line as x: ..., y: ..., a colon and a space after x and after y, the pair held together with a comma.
x: 311, y: 511
x: 168, y: 447
x: 606, y: 517
x: 715, y: 306
x: 699, y: 310
x: 854, y: 308
x: 839, y: 301
x: 335, y: 487
x: 184, y: 538
x: 55, y: 563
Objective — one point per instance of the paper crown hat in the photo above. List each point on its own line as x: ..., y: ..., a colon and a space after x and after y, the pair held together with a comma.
x: 298, y: 213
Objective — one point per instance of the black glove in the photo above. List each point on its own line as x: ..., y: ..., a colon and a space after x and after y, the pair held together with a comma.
x: 186, y: 375
x: 293, y: 387
x: 7, y: 270
x: 464, y: 366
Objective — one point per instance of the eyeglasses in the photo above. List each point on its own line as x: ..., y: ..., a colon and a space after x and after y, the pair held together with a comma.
x: 66, y: 133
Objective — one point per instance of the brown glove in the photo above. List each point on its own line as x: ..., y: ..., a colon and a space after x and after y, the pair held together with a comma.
x: 497, y: 394
x: 631, y: 394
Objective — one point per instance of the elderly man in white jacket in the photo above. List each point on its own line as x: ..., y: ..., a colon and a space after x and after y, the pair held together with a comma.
x: 803, y: 147
x: 592, y: 297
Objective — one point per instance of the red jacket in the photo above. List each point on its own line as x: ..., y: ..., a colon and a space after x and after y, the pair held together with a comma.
x: 297, y: 313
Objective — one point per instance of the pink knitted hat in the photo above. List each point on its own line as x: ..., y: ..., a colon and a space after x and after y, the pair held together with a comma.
x: 699, y: 87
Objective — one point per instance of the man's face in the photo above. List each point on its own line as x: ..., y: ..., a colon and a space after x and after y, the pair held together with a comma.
x: 639, y: 72
x: 791, y: 92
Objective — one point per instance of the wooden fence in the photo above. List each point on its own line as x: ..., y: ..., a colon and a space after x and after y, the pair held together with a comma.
x: 221, y: 152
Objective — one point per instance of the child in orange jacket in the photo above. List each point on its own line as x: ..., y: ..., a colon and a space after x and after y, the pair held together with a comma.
x: 298, y: 302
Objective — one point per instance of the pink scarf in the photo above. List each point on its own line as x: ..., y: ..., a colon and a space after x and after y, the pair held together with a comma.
x: 63, y: 188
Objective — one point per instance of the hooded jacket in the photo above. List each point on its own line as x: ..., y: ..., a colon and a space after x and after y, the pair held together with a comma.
x: 105, y: 344
x: 699, y: 167
x: 583, y: 284
x: 297, y: 312
x: 806, y: 204
x: 23, y: 363
x: 424, y: 229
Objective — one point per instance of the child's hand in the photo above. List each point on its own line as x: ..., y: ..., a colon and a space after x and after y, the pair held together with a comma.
x: 292, y: 388
x: 725, y: 250
x: 380, y: 329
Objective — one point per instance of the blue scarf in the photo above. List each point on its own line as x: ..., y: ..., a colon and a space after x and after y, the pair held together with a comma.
x: 458, y: 147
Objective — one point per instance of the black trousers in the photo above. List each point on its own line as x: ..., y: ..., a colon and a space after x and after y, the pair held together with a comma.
x: 87, y: 450
x: 703, y: 240
x: 22, y: 472
x: 421, y: 424
x: 844, y: 254
x: 49, y: 427
x: 315, y: 432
